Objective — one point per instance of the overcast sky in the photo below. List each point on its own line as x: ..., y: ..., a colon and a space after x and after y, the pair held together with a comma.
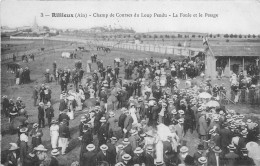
x: 241, y: 17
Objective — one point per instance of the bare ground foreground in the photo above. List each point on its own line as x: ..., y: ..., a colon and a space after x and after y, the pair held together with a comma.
x: 45, y: 61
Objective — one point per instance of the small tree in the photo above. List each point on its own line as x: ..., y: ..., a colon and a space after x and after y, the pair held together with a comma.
x: 249, y: 36
x: 231, y: 35
x: 235, y: 36
x: 254, y: 35
x: 210, y: 35
x: 227, y: 40
x: 198, y: 36
x: 193, y: 36
x: 218, y: 35
x: 240, y: 36
x: 161, y: 36
x: 179, y: 44
x: 226, y: 36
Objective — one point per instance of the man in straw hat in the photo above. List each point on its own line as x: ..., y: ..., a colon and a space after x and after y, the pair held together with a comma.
x: 185, y: 157
x: 149, y: 156
x: 127, y: 159
x: 49, y: 111
x: 112, y: 150
x: 244, y: 159
x: 41, y: 119
x: 36, y: 135
x: 179, y: 130
x: 103, y: 155
x: 138, y: 156
x: 54, y: 161
x: 231, y: 156
x: 127, y: 124
x: 13, y: 155
x: 89, y: 157
x: 63, y: 117
x: 102, y: 132
x: 111, y: 122
x: 64, y: 135
x: 41, y: 153
x: 134, y: 138
x: 202, y: 161
x: 215, y: 156
x: 128, y: 147
x: 203, y: 128
x: 31, y: 159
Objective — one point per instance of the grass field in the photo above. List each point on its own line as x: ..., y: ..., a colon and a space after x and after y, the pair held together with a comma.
x: 38, y: 68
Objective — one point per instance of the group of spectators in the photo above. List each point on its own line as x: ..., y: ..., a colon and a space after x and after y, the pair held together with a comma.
x: 144, y: 121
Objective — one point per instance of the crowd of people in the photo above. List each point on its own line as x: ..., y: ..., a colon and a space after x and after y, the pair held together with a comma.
x: 143, y: 119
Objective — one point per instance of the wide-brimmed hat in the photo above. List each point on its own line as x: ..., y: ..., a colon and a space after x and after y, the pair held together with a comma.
x: 24, y: 129
x: 41, y: 104
x: 231, y: 147
x: 184, y: 149
x: 241, y: 116
x: 18, y: 98
x: 120, y: 146
x: 150, y: 133
x: 40, y: 148
x: 113, y: 138
x: 133, y: 132
x: 149, y: 149
x: 158, y: 162
x: 54, y: 121
x: 126, y: 157
x: 181, y: 120
x: 13, y: 146
x: 232, y: 126
x: 181, y: 112
x: 211, y: 131
x: 90, y: 147
x: 217, y: 149
x: 248, y: 121
x: 138, y: 150
x: 103, y: 119
x: 35, y: 125
x: 174, y: 111
x: 244, y: 132
x: 221, y: 112
x: 112, y: 114
x: 203, y: 160
x: 103, y: 147
x: 83, y: 118
x: 55, y: 152
x: 126, y: 141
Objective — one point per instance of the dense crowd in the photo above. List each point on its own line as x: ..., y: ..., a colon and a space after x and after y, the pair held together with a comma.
x: 143, y: 118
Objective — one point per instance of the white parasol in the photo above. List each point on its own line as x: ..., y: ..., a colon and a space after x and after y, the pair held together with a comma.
x: 163, y: 131
x: 205, y: 95
x: 212, y: 103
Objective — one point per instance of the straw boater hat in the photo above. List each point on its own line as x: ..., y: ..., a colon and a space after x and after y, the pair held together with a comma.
x: 181, y: 112
x: 181, y: 120
x: 103, y: 147
x: 112, y: 114
x: 54, y: 121
x: 149, y: 148
x: 40, y: 148
x: 55, y: 152
x: 13, y: 146
x: 24, y: 129
x: 126, y: 141
x: 113, y: 138
x: 244, y: 132
x: 216, y: 149
x: 133, y: 132
x: 120, y: 164
x: 103, y: 120
x: 35, y: 125
x: 202, y: 160
x: 126, y: 157
x: 174, y: 112
x: 231, y: 147
x: 83, y: 118
x: 221, y: 112
x: 184, y: 149
x: 138, y: 150
x: 158, y: 163
x: 41, y: 104
x: 90, y: 147
x: 120, y: 146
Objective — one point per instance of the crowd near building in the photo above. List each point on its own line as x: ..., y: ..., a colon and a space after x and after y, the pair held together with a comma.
x: 136, y: 113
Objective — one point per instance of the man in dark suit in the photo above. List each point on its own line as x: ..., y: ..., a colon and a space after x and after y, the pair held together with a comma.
x: 112, y: 150
x: 148, y: 157
x: 103, y: 155
x: 41, y: 119
x: 231, y: 157
x: 225, y: 138
x: 87, y: 138
x: 97, y: 123
x: 35, y: 96
x: 127, y: 147
x: 54, y: 161
x: 64, y: 117
x: 49, y: 111
x: 63, y: 102
x: 13, y: 155
x: 215, y: 157
x: 154, y: 112
x: 102, y: 132
x: 122, y: 117
x: 64, y: 135
x: 127, y: 124
x: 89, y: 157
x: 138, y: 156
x: 199, y: 153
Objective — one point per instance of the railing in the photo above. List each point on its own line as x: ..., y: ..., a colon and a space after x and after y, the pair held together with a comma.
x: 243, y: 96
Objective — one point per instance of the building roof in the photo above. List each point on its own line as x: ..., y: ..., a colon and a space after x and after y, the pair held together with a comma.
x: 236, y: 50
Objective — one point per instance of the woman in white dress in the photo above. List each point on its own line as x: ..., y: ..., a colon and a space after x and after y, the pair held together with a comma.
x: 54, y: 133
x: 132, y: 111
